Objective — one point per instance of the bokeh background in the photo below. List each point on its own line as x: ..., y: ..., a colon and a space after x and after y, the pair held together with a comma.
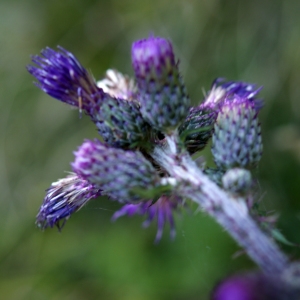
x: 92, y: 258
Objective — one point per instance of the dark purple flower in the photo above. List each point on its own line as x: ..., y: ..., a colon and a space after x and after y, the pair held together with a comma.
x: 162, y: 94
x: 63, y: 198
x: 60, y: 75
x: 162, y: 210
x: 249, y: 286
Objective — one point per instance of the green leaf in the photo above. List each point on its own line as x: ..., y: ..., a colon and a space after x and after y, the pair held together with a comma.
x: 278, y: 236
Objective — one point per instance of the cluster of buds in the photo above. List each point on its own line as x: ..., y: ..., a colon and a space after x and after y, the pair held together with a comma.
x: 133, y: 116
x: 149, y: 132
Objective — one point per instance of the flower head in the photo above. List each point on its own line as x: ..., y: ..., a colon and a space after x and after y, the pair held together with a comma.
x: 162, y: 210
x: 115, y: 171
x: 162, y: 94
x: 249, y: 286
x: 60, y: 75
x: 152, y: 58
x: 136, y: 117
x: 229, y: 90
x: 63, y: 198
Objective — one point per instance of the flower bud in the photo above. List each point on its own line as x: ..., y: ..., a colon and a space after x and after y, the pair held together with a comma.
x: 237, y: 139
x: 162, y: 94
x: 115, y: 171
x: 197, y: 128
x: 120, y: 122
x: 237, y: 181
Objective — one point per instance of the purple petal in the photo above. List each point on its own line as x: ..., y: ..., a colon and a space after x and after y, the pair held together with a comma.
x: 63, y: 198
x: 162, y: 210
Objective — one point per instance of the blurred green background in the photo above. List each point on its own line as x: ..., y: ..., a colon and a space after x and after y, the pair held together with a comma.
x: 256, y: 41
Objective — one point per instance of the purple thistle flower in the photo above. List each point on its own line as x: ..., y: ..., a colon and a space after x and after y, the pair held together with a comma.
x: 115, y: 171
x: 60, y: 75
x: 229, y: 90
x: 63, y: 198
x: 162, y: 210
x: 249, y: 286
x: 162, y: 94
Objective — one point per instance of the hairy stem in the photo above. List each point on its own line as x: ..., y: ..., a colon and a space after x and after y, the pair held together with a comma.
x: 231, y: 213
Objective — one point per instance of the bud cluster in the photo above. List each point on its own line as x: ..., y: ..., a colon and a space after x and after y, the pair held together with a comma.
x: 133, y: 116
x: 149, y: 131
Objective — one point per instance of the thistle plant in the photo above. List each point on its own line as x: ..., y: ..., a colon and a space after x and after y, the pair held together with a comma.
x: 144, y: 158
